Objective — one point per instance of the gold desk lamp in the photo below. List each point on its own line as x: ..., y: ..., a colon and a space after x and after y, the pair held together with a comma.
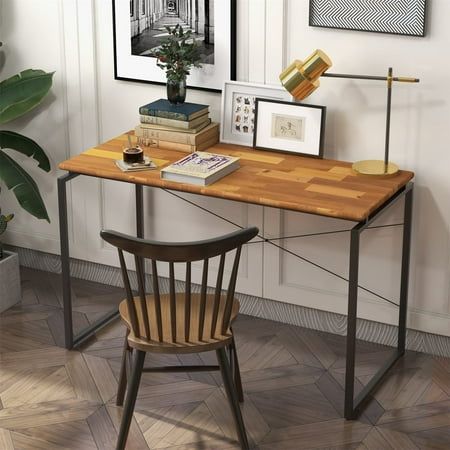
x: 301, y: 78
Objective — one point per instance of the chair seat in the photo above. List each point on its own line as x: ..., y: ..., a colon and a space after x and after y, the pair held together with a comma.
x: 181, y: 345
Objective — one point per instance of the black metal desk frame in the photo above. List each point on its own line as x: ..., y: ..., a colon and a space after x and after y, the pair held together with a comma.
x: 353, y: 405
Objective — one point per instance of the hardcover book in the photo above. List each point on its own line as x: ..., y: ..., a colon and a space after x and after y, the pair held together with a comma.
x: 195, y: 130
x: 182, y: 124
x: 163, y: 108
x: 209, y: 132
x: 200, y: 168
x: 186, y: 148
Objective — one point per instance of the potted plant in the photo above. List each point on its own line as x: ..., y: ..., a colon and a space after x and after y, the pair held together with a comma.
x: 19, y: 94
x: 177, y: 54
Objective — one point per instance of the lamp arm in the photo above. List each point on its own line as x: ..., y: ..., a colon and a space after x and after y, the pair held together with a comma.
x: 370, y: 77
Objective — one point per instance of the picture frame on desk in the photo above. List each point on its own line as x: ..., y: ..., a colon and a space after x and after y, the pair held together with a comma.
x: 138, y: 28
x: 289, y: 127
x: 238, y: 109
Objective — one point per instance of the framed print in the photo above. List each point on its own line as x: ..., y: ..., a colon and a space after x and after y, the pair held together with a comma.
x: 406, y: 17
x: 139, y: 28
x: 289, y: 127
x: 238, y: 109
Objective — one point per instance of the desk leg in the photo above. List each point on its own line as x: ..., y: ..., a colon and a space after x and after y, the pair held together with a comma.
x: 405, y: 270
x: 353, y: 405
x: 351, y: 323
x: 65, y: 262
x: 139, y: 211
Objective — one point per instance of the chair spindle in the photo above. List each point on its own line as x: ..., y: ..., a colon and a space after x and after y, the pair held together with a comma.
x: 157, y: 298
x: 217, y: 296
x: 201, y: 314
x: 230, y: 292
x: 141, y: 288
x: 173, y: 302
x: 130, y: 302
x: 187, y: 303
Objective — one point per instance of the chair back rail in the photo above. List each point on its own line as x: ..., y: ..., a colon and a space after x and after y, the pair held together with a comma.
x: 187, y: 309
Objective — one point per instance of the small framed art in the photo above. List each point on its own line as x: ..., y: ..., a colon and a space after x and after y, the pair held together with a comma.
x: 139, y: 29
x: 238, y: 109
x: 289, y: 127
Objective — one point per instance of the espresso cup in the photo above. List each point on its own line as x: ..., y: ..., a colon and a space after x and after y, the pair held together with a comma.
x: 133, y: 155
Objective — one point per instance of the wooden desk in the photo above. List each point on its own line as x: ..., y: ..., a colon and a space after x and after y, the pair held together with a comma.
x: 315, y: 186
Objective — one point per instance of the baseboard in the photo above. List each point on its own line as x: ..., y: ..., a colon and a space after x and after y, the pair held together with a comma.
x: 376, y: 332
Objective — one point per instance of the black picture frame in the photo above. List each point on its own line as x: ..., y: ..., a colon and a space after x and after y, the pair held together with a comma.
x: 314, y: 120
x: 406, y: 17
x: 129, y: 67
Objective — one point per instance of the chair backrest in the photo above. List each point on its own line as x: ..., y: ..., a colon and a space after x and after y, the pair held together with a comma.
x: 183, y: 253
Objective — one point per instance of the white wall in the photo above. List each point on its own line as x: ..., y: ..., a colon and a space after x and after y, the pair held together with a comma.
x: 74, y: 38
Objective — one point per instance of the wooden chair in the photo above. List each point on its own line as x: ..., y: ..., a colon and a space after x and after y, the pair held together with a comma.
x: 184, y: 322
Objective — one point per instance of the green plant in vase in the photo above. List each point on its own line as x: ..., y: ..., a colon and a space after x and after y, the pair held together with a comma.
x: 20, y: 94
x: 177, y: 54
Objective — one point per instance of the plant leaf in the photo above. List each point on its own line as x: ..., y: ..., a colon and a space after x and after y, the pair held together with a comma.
x: 26, y: 146
x: 23, y: 186
x: 23, y: 92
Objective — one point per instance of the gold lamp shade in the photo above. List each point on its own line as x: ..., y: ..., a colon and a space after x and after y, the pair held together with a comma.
x: 301, y: 78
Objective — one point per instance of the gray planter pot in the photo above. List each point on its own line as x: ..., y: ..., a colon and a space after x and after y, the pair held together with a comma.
x: 9, y: 281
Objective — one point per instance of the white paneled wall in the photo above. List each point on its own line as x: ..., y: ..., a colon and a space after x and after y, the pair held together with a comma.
x: 74, y: 38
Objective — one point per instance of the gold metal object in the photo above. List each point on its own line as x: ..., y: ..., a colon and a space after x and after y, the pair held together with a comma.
x: 374, y: 167
x: 301, y: 78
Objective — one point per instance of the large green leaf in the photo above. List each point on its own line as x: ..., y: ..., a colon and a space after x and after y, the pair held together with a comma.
x: 23, y: 92
x: 26, y: 146
x: 23, y: 186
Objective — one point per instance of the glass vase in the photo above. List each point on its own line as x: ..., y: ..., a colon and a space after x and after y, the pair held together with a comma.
x: 176, y: 91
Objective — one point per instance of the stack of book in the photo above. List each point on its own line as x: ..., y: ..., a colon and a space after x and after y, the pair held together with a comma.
x: 186, y: 127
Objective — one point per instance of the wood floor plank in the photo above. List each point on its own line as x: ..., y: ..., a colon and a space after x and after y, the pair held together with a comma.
x: 165, y: 421
x: 27, y: 416
x: 103, y: 376
x: 103, y: 430
x: 293, y: 406
x: 81, y: 379
x: 31, y: 387
x: 74, y: 435
x: 6, y: 442
x: 135, y: 439
x: 34, y: 359
x: 436, y: 438
x: 320, y: 434
x: 397, y: 440
x: 318, y: 346
x: 279, y: 377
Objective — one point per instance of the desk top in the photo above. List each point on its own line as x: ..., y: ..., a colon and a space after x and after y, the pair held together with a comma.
x: 317, y: 186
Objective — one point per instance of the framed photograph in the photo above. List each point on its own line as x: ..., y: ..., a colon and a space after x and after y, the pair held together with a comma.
x: 406, y: 17
x: 289, y: 127
x: 238, y: 109
x: 139, y: 28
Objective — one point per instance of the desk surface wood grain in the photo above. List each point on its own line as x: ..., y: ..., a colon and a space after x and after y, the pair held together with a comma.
x: 317, y: 186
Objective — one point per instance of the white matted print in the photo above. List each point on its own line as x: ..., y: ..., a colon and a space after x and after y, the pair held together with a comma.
x: 139, y: 30
x: 238, y: 109
x: 289, y: 127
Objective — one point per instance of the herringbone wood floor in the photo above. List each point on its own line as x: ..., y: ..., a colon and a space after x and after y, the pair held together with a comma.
x: 51, y: 398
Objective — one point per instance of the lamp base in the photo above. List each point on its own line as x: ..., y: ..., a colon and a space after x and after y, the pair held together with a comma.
x: 374, y: 168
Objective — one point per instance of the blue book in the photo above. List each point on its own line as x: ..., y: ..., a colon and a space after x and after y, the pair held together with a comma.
x: 163, y: 108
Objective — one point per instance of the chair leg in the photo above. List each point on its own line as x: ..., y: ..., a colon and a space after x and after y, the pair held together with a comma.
x: 122, y: 386
x: 230, y: 390
x: 127, y: 414
x: 234, y: 362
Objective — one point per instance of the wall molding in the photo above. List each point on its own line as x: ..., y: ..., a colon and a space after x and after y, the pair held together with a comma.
x: 315, y: 319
